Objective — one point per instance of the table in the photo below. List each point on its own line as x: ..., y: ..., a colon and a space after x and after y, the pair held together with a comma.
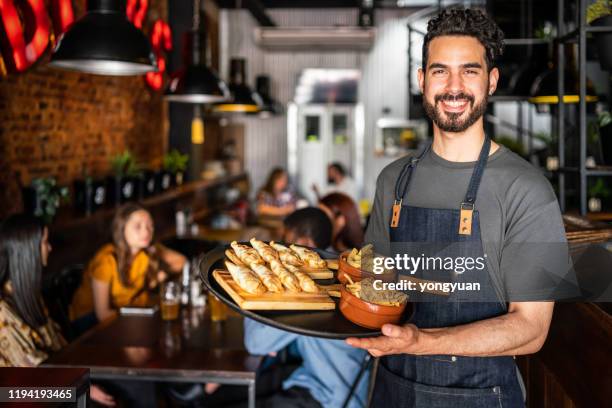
x: 190, y: 349
x: 41, y: 377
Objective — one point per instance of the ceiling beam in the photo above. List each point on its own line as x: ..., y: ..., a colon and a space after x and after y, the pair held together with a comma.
x: 256, y: 7
x: 296, y: 3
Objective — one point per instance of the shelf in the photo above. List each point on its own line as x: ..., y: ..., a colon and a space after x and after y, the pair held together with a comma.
x: 571, y: 36
x: 591, y: 171
x: 508, y: 98
x: 526, y: 41
x: 598, y: 29
x: 70, y: 218
x: 567, y: 170
x: 599, y: 171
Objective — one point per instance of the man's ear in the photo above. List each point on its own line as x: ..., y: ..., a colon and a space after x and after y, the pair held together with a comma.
x: 493, y: 78
x: 421, y: 79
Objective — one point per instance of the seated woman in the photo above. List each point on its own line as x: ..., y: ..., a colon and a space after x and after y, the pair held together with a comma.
x: 27, y: 334
x: 276, y: 198
x: 121, y: 273
x: 344, y: 215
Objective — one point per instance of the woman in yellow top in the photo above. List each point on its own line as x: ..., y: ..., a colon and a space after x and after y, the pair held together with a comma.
x: 27, y: 334
x: 121, y: 273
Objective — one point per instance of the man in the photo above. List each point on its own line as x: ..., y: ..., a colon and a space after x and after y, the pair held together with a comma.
x: 309, y: 227
x: 338, y: 182
x: 475, y: 199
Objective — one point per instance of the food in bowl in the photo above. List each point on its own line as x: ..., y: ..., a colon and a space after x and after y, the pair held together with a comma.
x: 365, y: 290
x: 359, y: 264
x: 367, y: 307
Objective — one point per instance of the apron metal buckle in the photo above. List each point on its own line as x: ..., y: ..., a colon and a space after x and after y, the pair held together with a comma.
x: 465, y: 218
x: 397, y: 208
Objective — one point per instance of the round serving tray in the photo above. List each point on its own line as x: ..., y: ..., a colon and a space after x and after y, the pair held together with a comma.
x: 325, y: 323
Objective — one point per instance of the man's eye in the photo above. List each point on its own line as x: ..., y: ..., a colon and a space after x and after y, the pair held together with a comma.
x: 471, y: 72
x: 438, y: 71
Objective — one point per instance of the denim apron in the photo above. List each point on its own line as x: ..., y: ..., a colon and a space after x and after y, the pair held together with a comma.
x: 437, y: 381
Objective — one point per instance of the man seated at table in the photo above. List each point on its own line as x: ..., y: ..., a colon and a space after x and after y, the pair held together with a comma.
x: 329, y: 367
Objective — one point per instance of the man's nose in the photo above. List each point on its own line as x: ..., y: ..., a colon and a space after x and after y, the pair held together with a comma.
x: 455, y: 83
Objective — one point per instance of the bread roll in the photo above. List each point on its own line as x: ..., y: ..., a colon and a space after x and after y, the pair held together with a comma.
x: 245, y: 279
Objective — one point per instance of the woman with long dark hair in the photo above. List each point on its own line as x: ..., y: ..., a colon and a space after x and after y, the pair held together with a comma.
x: 347, y: 231
x: 121, y: 272
x: 276, y: 198
x: 27, y: 334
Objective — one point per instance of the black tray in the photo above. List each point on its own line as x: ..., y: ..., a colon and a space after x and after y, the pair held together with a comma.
x: 329, y: 324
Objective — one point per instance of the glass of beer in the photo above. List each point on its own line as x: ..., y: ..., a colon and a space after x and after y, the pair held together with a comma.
x: 218, y: 311
x: 170, y: 300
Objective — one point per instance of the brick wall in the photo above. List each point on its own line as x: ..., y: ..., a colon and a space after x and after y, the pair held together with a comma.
x: 64, y: 124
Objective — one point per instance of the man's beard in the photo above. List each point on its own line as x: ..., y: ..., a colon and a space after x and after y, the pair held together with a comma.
x: 452, y: 121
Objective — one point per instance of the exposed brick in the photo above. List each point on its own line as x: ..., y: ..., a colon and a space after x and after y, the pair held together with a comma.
x: 65, y: 124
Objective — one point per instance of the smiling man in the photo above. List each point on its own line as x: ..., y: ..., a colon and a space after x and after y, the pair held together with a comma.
x: 468, y: 198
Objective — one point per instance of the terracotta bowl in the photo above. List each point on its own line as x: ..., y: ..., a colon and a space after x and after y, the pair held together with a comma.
x: 357, y: 274
x: 366, y: 314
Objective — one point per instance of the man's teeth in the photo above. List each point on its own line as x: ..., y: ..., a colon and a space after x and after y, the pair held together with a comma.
x: 455, y: 104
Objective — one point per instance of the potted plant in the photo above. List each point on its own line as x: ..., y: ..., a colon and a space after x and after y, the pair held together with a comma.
x: 148, y: 183
x: 175, y: 163
x: 598, y: 192
x: 89, y: 194
x: 43, y: 197
x: 599, y: 14
x: 123, y: 186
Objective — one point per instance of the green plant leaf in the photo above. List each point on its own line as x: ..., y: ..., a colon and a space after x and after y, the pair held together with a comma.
x: 598, y: 9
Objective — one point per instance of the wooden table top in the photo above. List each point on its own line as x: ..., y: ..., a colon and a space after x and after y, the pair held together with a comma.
x: 146, y: 346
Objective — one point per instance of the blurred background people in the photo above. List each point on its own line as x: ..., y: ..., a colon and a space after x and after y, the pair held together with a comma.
x: 276, y: 198
x: 122, y: 272
x: 347, y: 231
x: 338, y: 181
x: 310, y: 227
x: 27, y: 334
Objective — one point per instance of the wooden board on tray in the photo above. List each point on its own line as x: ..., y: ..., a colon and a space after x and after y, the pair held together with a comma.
x: 318, y: 273
x: 272, y: 301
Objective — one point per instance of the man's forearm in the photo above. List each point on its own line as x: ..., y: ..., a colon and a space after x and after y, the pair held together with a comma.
x: 509, y: 334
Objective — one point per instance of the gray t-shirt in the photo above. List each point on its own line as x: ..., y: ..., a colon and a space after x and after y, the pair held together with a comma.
x: 521, y: 225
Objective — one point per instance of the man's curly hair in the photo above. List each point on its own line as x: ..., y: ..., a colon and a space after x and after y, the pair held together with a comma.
x: 470, y: 22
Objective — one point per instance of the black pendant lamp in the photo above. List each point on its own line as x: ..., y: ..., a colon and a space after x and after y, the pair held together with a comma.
x: 243, y: 99
x: 270, y: 106
x: 104, y: 42
x: 197, y: 83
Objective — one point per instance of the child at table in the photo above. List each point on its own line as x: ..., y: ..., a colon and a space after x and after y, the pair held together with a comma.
x: 328, y: 368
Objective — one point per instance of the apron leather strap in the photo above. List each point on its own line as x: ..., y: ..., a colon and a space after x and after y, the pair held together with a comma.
x: 466, y: 210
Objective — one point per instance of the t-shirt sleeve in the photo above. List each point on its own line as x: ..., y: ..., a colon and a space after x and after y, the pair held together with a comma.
x: 262, y: 339
x: 103, y: 267
x: 377, y: 232
x: 535, y: 260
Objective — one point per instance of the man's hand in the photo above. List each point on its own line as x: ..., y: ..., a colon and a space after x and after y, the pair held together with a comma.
x: 395, y: 340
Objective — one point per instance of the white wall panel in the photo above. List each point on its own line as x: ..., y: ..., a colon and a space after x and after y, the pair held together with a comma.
x: 383, y: 82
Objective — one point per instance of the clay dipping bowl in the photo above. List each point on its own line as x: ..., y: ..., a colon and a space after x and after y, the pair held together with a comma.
x: 357, y: 274
x: 366, y: 314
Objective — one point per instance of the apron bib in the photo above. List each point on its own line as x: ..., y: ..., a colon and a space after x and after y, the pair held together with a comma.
x: 440, y: 381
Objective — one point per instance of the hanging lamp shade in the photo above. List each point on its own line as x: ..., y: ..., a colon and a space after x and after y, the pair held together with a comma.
x: 270, y: 106
x: 104, y: 42
x: 243, y: 99
x: 197, y: 83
